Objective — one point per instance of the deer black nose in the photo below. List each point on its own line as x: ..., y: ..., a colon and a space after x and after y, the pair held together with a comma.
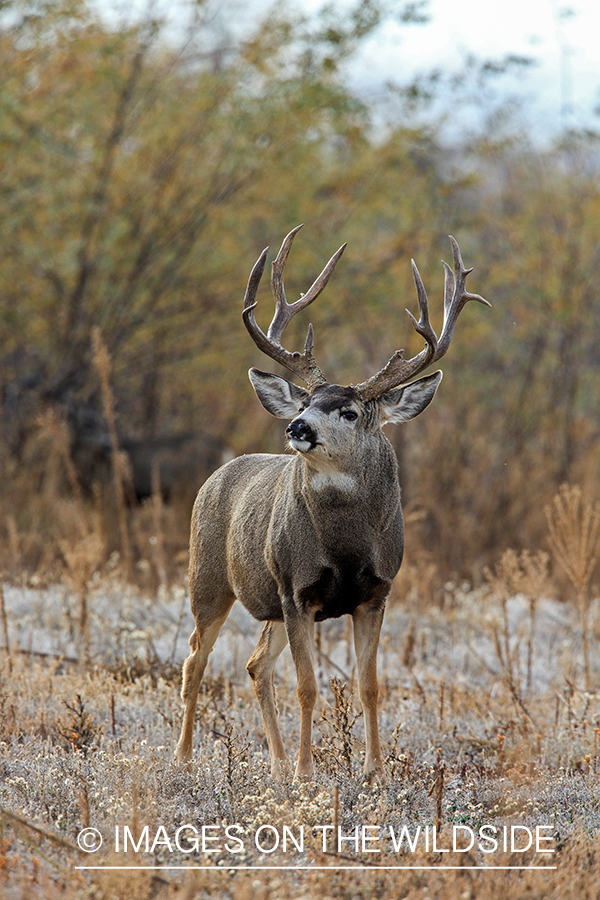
x: 300, y: 431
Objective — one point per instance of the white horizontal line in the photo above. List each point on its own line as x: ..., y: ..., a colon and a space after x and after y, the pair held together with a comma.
x: 299, y: 868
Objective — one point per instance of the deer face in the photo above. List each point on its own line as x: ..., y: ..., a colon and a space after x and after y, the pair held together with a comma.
x: 332, y: 427
x: 329, y: 425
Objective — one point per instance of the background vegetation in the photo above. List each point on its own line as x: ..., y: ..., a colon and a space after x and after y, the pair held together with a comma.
x: 143, y: 170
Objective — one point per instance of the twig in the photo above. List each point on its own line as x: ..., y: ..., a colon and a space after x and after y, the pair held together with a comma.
x: 13, y: 818
x: 5, y: 627
x: 102, y: 361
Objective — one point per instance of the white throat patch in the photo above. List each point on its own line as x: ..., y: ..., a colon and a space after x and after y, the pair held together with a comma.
x: 322, y: 480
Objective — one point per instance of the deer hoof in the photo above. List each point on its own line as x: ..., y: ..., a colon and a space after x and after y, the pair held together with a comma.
x: 280, y: 770
x: 305, y: 774
x: 183, y: 755
x: 375, y: 775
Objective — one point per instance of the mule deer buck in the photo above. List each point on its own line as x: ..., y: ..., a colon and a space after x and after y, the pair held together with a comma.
x: 317, y: 534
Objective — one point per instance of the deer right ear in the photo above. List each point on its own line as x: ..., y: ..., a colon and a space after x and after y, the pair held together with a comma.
x: 279, y: 397
x: 404, y: 403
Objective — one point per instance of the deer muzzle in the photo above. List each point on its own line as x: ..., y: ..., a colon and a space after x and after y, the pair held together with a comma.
x: 301, y: 436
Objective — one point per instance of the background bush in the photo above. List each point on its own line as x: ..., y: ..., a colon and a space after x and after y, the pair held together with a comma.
x: 142, y: 170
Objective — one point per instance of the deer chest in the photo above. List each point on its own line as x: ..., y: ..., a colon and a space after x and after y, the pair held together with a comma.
x: 340, y: 589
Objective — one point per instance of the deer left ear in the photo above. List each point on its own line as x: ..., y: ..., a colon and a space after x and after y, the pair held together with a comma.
x: 404, y: 403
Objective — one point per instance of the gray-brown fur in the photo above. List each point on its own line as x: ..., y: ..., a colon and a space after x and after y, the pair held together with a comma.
x: 300, y: 538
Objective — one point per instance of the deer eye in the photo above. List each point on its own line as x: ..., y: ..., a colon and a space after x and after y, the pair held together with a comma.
x: 349, y: 415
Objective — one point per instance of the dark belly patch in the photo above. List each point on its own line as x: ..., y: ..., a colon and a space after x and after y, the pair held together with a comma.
x: 338, y: 593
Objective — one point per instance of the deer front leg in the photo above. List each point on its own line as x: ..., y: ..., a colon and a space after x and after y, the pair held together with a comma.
x: 300, y: 627
x: 260, y: 668
x: 367, y: 619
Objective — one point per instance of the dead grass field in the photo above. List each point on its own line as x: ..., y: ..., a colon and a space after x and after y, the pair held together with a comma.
x: 485, y: 714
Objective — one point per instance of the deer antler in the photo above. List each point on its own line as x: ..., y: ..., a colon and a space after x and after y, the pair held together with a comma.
x: 302, y: 364
x: 397, y: 370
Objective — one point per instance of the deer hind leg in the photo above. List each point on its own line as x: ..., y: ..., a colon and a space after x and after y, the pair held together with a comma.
x: 202, y: 641
x: 260, y: 668
x: 367, y: 619
x: 300, y: 630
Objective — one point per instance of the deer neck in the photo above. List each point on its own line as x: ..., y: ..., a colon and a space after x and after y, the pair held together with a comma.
x: 367, y: 485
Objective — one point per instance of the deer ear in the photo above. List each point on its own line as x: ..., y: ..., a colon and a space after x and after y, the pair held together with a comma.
x: 279, y: 397
x: 404, y: 403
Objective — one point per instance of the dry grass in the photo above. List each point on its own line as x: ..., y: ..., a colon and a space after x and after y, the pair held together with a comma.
x: 574, y: 525
x: 490, y: 723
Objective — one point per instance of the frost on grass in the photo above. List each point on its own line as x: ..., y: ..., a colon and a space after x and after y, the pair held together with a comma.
x: 483, y: 715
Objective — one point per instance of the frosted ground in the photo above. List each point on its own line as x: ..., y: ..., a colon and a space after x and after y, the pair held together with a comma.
x: 456, y: 640
x: 483, y: 717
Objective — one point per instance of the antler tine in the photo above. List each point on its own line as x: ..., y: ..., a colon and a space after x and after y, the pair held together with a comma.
x: 423, y: 326
x: 255, y: 276
x: 455, y: 297
x: 282, y: 307
x: 302, y: 364
x: 397, y: 370
x: 284, y: 311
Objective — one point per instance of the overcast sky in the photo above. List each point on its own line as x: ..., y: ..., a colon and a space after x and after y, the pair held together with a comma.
x: 563, y: 37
